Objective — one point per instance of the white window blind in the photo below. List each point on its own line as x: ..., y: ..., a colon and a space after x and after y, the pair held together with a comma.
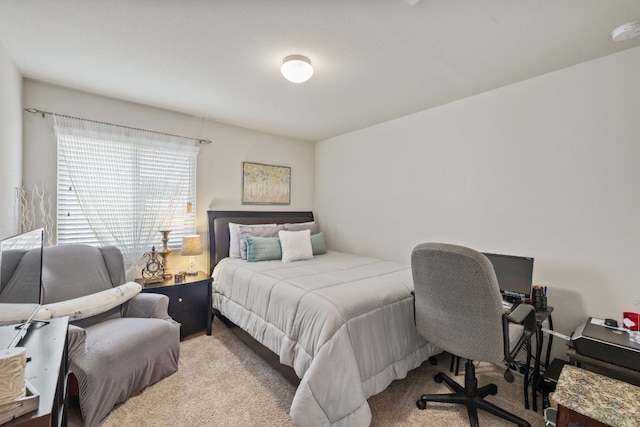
x: 121, y: 186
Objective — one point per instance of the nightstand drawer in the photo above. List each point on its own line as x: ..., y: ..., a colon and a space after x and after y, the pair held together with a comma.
x: 186, y: 297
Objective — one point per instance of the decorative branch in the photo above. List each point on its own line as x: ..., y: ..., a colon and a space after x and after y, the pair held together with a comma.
x: 36, y: 211
x: 44, y: 200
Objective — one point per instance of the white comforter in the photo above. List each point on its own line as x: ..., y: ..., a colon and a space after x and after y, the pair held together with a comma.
x: 344, y: 323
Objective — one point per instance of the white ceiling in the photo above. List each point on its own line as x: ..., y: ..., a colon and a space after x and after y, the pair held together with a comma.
x: 374, y: 60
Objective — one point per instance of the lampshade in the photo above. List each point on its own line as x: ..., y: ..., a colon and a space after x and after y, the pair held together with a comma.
x: 191, y: 245
x: 296, y: 68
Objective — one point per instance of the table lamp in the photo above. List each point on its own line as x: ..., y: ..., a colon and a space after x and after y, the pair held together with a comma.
x: 191, y: 246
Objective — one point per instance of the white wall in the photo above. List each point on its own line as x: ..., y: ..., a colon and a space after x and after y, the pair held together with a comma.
x: 10, y: 143
x: 219, y: 174
x: 548, y: 167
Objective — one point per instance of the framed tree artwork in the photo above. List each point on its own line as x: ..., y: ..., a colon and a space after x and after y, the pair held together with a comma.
x: 265, y: 184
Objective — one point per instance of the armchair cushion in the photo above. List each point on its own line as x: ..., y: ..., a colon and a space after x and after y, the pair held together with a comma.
x: 72, y: 271
x: 123, y: 357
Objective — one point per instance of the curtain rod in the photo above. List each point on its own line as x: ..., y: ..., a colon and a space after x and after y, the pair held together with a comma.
x: 36, y: 111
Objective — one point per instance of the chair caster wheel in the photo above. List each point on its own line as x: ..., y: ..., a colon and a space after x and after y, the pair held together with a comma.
x: 494, y: 390
x: 438, y: 378
x: 508, y: 376
x: 421, y: 404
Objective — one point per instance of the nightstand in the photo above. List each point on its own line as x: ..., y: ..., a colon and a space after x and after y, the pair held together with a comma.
x: 189, y: 301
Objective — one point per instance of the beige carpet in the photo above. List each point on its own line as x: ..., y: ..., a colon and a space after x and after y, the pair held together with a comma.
x: 221, y: 382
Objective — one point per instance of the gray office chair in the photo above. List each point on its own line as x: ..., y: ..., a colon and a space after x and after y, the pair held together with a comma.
x: 458, y: 307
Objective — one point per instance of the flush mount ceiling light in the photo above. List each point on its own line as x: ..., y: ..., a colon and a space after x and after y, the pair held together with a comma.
x: 626, y: 31
x: 296, y: 68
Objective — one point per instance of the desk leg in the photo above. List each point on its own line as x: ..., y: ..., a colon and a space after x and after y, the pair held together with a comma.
x: 527, y: 375
x: 536, y: 369
x: 546, y: 360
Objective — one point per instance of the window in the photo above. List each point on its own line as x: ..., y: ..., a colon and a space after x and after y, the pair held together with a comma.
x: 121, y: 186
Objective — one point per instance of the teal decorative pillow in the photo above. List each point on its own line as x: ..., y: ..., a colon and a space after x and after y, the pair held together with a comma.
x: 317, y: 244
x: 255, y: 231
x: 263, y: 248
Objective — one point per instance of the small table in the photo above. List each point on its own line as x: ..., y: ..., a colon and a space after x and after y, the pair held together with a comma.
x: 189, y: 301
x: 595, y: 400
x: 604, y: 368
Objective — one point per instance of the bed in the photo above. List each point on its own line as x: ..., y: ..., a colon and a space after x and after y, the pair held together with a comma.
x: 343, y: 323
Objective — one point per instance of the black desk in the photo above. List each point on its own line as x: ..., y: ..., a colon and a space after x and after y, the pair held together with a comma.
x: 541, y: 316
x: 534, y: 379
x: 46, y: 344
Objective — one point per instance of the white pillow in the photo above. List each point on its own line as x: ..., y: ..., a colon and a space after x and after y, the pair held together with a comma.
x: 234, y: 238
x: 296, y: 245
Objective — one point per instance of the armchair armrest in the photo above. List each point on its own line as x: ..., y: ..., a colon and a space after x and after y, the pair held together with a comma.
x: 76, y: 342
x: 89, y: 305
x: 524, y: 315
x: 148, y: 306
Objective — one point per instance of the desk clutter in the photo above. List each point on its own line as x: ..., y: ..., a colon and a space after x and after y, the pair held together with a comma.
x: 631, y: 321
x: 15, y: 398
x: 601, y: 340
x: 13, y: 362
x: 539, y: 296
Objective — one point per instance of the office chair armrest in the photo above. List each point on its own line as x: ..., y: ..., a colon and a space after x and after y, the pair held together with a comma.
x: 524, y: 315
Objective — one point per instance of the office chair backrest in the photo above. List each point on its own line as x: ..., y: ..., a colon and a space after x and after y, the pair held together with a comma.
x: 458, y: 304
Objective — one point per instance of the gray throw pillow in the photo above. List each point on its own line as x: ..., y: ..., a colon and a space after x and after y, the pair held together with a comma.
x: 312, y: 226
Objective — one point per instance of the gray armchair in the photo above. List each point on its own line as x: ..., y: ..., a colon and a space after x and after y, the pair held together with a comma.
x: 116, y: 354
x: 458, y: 307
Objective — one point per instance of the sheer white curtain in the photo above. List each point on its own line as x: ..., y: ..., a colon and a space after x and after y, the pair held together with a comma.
x: 120, y: 186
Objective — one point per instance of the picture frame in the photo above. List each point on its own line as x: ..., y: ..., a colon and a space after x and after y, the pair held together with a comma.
x: 264, y: 184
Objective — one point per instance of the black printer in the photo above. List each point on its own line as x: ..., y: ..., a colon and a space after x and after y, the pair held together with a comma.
x: 610, y: 344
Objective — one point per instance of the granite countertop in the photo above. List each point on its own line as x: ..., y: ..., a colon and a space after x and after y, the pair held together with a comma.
x: 601, y: 398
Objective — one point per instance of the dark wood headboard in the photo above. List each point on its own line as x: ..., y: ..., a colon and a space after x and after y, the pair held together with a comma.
x: 219, y: 227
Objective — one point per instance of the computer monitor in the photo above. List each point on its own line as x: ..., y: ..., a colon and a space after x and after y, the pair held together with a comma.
x: 514, y: 274
x: 20, y: 284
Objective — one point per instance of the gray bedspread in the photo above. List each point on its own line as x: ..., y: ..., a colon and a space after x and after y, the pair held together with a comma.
x: 343, y: 322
